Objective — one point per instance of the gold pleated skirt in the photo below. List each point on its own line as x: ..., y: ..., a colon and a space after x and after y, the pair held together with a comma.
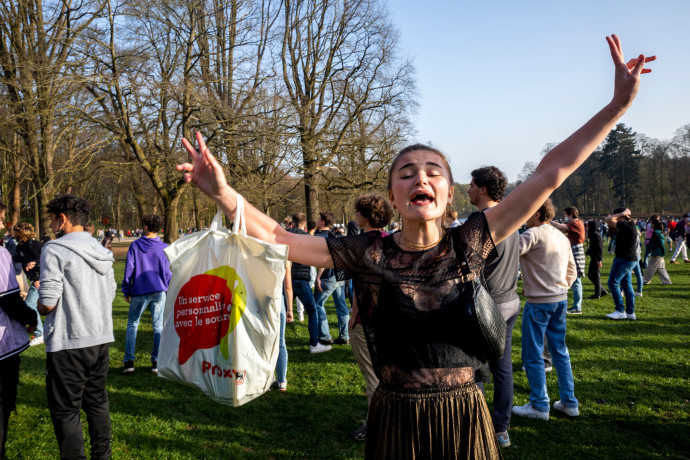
x: 430, y: 423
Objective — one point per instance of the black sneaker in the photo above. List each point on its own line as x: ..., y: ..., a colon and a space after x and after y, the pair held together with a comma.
x: 341, y: 341
x: 595, y: 297
x: 129, y: 367
x: 326, y: 341
x: 360, y: 434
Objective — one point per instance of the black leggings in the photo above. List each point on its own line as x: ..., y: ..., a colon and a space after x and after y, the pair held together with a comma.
x: 594, y: 275
x: 9, y: 378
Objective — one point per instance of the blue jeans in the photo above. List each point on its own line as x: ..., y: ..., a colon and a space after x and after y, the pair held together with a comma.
x: 302, y: 291
x: 647, y: 253
x: 155, y: 301
x: 539, y: 319
x: 577, y: 293
x: 32, y: 302
x: 621, y: 276
x: 281, y: 364
x: 637, y: 270
x: 337, y: 289
x: 349, y: 293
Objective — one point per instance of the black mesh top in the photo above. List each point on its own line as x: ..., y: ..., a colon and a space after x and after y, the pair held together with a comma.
x: 410, y: 303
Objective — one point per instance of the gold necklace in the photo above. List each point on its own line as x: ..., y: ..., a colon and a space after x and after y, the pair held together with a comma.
x: 421, y: 247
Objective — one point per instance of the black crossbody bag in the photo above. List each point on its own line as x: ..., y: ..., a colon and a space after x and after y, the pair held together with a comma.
x: 486, y: 325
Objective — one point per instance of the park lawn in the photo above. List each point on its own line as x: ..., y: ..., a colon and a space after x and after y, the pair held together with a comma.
x: 632, y: 380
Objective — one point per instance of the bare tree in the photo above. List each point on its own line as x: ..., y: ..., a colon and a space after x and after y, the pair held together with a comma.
x: 144, y: 95
x: 679, y: 168
x: 339, y: 61
x: 37, y: 40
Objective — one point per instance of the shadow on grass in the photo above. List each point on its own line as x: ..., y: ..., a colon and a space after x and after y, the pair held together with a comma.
x: 571, y: 439
x: 156, y: 418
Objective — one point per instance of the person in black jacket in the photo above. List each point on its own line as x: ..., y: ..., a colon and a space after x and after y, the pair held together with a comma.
x: 301, y: 289
x: 595, y: 253
x: 29, y: 255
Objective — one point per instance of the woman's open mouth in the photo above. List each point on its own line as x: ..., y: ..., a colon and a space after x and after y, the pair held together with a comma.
x: 421, y: 199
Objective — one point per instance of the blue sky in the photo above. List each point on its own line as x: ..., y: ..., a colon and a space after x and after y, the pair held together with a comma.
x: 497, y: 80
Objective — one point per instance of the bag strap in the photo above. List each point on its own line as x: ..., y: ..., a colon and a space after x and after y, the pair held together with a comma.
x: 465, y: 265
x: 240, y: 223
x: 217, y: 222
x: 460, y: 253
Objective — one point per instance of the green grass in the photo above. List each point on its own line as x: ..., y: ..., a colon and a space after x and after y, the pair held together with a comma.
x: 631, y: 378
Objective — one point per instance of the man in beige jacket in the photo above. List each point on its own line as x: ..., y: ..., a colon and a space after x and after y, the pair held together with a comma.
x: 548, y: 270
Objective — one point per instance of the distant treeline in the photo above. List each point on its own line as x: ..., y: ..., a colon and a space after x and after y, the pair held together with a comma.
x: 648, y: 176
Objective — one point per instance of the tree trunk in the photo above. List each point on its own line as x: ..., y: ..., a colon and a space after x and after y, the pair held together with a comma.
x: 16, y: 186
x: 170, y: 218
x: 37, y: 214
x: 195, y: 209
x: 311, y: 192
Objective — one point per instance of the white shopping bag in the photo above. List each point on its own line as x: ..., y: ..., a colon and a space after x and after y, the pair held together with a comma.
x: 222, y: 314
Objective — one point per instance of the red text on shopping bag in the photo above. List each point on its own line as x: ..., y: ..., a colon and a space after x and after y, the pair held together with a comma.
x: 207, y: 309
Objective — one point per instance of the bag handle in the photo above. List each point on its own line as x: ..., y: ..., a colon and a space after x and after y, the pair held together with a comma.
x: 217, y: 222
x: 240, y: 223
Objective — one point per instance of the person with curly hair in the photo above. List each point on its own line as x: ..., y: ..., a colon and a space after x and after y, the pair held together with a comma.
x: 76, y: 296
x: 373, y: 212
x: 145, y: 284
x: 492, y: 180
x: 487, y: 189
x: 29, y: 255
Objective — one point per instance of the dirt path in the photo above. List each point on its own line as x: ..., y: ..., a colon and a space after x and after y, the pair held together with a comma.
x: 120, y: 250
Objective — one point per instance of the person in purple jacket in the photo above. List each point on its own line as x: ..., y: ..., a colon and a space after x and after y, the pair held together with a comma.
x: 147, y: 275
x: 17, y: 321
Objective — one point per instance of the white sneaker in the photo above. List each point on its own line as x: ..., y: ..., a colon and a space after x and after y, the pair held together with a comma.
x: 638, y: 294
x: 36, y: 341
x: 617, y: 315
x: 503, y: 439
x: 529, y: 411
x: 631, y: 317
x: 280, y: 386
x: 569, y: 411
x: 319, y: 348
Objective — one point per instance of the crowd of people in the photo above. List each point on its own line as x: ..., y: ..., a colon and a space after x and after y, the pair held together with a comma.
x: 71, y: 282
x: 423, y: 371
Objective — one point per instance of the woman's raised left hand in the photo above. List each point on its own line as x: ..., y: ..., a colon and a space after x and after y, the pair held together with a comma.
x: 627, y: 78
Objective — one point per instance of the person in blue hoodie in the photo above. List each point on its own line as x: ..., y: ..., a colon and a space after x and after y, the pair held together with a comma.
x: 147, y: 275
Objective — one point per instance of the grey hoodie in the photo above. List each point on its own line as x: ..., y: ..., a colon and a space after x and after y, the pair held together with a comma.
x: 77, y: 277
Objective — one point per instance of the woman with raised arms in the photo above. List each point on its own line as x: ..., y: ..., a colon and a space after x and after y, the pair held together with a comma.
x: 427, y: 404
